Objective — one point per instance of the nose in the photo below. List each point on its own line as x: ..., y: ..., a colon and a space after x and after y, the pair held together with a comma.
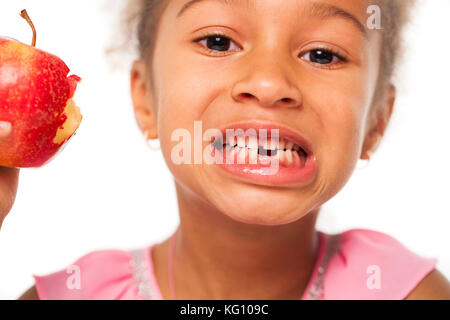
x: 266, y: 81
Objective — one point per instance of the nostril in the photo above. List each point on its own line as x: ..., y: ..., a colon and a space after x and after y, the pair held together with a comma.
x: 290, y: 103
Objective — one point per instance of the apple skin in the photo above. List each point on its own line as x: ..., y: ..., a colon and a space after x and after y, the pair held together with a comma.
x: 34, y: 91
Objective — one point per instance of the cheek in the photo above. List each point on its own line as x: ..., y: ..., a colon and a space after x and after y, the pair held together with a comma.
x: 183, y: 93
x: 343, y: 117
x: 341, y: 108
x: 182, y: 97
x: 180, y: 105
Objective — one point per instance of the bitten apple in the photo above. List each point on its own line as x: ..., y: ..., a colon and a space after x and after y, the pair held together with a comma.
x: 36, y: 98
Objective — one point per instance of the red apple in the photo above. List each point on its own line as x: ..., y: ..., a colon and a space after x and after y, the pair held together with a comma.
x: 36, y: 98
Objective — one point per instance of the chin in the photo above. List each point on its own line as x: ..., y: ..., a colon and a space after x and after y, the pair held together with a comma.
x: 245, y: 202
x: 262, y: 206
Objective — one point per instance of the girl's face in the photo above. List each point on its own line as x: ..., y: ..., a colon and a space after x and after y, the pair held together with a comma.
x: 310, y: 66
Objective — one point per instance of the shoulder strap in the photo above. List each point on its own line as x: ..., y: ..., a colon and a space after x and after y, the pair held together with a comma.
x: 140, y: 270
x: 332, y: 243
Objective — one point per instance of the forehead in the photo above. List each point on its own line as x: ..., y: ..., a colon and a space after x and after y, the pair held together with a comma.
x: 186, y: 5
x: 351, y: 10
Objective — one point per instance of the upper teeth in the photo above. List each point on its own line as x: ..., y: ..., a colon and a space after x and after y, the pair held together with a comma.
x: 253, y: 142
x: 241, y: 141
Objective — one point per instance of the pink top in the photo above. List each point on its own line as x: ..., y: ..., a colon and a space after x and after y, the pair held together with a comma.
x: 357, y: 264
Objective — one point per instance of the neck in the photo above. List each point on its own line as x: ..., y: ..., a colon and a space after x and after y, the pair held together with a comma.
x: 220, y: 258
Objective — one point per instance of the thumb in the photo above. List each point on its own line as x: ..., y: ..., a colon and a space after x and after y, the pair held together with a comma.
x: 9, y: 178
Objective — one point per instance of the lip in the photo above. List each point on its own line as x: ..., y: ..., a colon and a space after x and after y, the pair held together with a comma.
x: 257, y: 173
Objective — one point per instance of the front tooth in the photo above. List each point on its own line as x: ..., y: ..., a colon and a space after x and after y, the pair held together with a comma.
x: 289, y: 145
x: 241, y: 141
x: 264, y: 142
x: 282, y: 144
x: 289, y: 157
x: 282, y: 156
x: 296, y: 158
x: 253, y: 155
x: 228, y: 148
x: 242, y: 155
x: 231, y: 140
x: 253, y: 143
x: 273, y: 143
x: 231, y: 155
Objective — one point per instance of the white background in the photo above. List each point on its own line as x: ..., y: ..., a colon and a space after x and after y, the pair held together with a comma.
x: 108, y: 190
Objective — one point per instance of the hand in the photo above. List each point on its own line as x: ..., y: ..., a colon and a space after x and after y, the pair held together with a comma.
x: 8, y: 179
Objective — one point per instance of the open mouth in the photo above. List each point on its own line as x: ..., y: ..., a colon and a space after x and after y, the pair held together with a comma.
x: 255, y: 149
x: 265, y: 153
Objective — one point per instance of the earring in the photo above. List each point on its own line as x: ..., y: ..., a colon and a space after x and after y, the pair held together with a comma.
x: 153, y: 144
x: 364, y: 163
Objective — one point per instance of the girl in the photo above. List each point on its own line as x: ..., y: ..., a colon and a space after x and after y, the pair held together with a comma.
x: 319, y: 74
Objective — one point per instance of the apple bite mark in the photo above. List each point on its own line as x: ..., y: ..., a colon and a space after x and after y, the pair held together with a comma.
x: 71, y: 112
x: 73, y: 120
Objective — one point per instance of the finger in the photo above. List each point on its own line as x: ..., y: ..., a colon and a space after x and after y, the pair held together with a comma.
x: 5, y: 129
x: 8, y: 187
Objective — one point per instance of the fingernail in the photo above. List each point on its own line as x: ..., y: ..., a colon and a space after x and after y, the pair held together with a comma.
x: 5, y: 125
x: 5, y: 129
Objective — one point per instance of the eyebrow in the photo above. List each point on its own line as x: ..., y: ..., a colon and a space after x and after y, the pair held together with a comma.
x: 316, y: 9
x: 192, y: 3
x: 325, y: 10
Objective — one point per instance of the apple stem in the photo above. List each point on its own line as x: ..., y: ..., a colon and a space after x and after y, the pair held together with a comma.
x: 25, y: 15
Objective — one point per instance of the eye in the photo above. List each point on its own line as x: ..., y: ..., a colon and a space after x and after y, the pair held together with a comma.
x: 216, y: 43
x: 323, y: 57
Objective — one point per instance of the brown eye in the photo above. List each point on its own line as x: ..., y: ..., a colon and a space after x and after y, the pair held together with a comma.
x: 217, y: 43
x: 322, y: 56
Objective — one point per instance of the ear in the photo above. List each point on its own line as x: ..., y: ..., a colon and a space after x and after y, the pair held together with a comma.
x: 378, y: 123
x: 142, y: 98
